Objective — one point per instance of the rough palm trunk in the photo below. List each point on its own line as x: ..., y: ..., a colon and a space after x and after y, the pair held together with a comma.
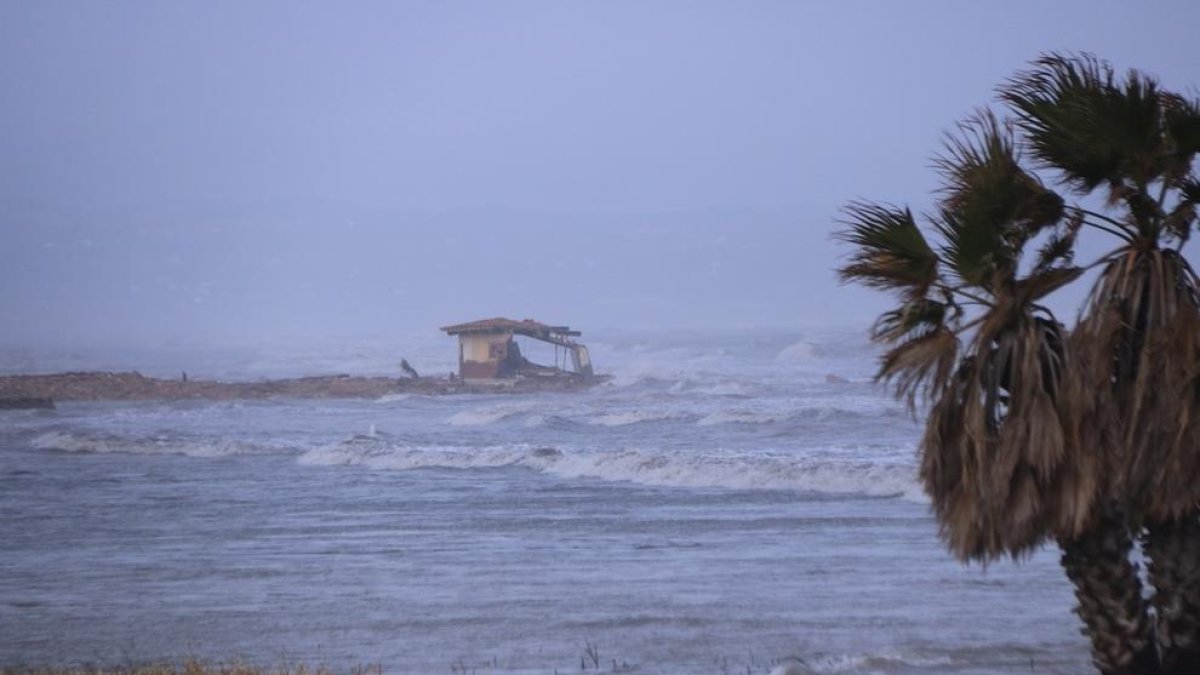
x: 1109, y: 592
x: 1173, y: 552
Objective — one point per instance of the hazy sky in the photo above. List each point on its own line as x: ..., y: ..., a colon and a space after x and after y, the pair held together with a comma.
x: 276, y: 170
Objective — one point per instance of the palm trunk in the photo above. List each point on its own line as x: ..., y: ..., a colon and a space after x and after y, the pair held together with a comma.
x: 1109, y: 592
x: 1173, y: 550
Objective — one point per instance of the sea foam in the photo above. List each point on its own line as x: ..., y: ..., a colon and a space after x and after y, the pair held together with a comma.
x: 659, y: 468
x: 84, y: 443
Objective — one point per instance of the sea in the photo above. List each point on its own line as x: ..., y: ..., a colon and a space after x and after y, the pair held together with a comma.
x: 732, y: 502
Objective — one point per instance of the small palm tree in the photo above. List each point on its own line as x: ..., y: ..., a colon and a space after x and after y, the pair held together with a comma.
x: 1034, y: 434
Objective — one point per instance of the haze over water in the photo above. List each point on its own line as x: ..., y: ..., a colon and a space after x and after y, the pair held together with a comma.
x: 231, y: 172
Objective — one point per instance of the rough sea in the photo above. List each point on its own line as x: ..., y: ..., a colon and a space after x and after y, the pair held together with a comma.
x: 724, y: 503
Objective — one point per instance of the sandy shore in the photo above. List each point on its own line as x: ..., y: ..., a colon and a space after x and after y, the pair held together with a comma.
x: 102, y: 386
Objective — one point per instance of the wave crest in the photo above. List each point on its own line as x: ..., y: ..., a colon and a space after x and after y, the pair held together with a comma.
x: 673, y: 469
x: 62, y: 441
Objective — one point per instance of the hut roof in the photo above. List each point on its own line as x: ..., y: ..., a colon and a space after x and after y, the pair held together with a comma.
x: 527, y: 327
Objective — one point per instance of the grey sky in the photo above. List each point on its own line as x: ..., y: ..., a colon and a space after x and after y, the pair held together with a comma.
x: 233, y: 170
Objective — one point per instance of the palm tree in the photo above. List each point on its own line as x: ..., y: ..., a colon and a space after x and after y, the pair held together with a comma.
x: 1134, y: 144
x: 1033, y: 434
x: 1000, y: 457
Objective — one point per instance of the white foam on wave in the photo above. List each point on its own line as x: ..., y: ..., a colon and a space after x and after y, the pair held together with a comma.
x: 533, y: 421
x: 881, y: 662
x: 675, y: 469
x: 63, y: 441
x: 485, y: 416
x: 742, y: 472
x: 393, y: 398
x: 736, y: 417
x: 404, y: 457
x: 797, y: 352
x: 620, y: 419
x: 730, y: 388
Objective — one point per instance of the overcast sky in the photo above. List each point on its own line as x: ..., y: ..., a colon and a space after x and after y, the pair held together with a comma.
x: 279, y: 170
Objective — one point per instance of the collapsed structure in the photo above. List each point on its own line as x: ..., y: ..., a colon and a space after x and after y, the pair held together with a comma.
x: 487, y: 350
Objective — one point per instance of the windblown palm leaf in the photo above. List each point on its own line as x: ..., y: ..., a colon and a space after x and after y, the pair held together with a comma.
x: 990, y: 206
x: 1082, y: 121
x: 891, y: 251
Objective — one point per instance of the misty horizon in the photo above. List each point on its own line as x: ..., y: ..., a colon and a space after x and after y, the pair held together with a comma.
x: 235, y: 173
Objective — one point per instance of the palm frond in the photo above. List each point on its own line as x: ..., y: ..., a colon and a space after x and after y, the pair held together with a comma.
x: 1001, y: 457
x: 1059, y: 248
x: 990, y: 206
x: 891, y: 253
x: 914, y: 318
x: 1182, y: 122
x: 1189, y: 189
x: 1044, y: 282
x: 1140, y: 333
x: 1180, y: 221
x: 920, y: 365
x: 1081, y: 121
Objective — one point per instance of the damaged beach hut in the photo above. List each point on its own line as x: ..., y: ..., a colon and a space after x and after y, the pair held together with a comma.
x: 488, y: 351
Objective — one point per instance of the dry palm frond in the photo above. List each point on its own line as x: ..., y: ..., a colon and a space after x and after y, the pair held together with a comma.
x: 1000, y: 456
x: 1140, y: 335
x: 922, y: 364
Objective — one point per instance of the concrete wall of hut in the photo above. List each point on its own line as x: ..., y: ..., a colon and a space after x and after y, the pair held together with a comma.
x: 482, y: 355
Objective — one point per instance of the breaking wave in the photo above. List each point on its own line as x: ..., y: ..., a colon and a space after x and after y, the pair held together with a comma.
x: 62, y: 441
x: 887, y: 661
x: 797, y: 352
x: 725, y: 388
x: 620, y: 419
x: 484, y: 416
x: 530, y: 416
x: 738, y: 417
x: 673, y: 469
x: 394, y: 398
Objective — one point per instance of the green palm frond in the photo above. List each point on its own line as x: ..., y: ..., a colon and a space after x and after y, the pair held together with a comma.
x: 913, y: 318
x: 1059, y: 248
x: 1189, y: 190
x: 1182, y: 122
x: 891, y: 253
x: 1180, y: 220
x: 1080, y: 120
x: 971, y: 248
x: 990, y: 206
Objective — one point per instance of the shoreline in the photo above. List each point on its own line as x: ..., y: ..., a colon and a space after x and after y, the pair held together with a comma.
x: 133, y: 386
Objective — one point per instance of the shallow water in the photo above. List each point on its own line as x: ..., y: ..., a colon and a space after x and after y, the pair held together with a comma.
x: 719, y: 507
